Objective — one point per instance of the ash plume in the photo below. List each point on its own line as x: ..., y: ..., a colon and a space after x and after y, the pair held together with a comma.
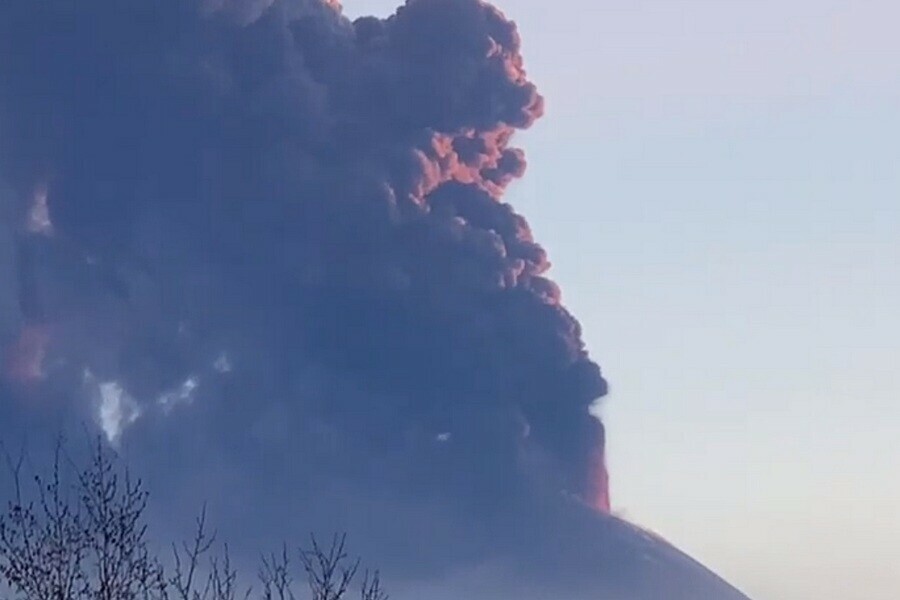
x: 267, y: 235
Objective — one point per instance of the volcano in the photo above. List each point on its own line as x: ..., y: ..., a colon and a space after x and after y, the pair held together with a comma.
x: 265, y: 252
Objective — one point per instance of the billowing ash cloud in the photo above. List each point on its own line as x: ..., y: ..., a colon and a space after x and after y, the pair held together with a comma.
x: 270, y: 178
x: 265, y: 247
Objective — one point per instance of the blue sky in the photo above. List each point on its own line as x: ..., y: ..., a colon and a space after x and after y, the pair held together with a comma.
x: 717, y: 185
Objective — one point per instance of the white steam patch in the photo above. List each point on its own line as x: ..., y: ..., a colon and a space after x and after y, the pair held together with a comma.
x: 443, y: 438
x: 184, y: 394
x: 222, y: 364
x: 116, y: 409
x: 38, y: 220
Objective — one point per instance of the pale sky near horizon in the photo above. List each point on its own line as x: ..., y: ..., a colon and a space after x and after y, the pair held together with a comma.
x: 717, y: 182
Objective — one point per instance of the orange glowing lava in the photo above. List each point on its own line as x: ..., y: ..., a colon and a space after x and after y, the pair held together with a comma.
x: 597, y: 494
x: 24, y: 360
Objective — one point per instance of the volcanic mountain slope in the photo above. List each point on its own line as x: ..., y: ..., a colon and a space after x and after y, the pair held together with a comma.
x: 587, y: 556
x: 651, y: 568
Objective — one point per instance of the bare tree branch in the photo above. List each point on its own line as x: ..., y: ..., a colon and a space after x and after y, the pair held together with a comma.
x: 80, y: 534
x: 329, y: 573
x: 371, y: 587
x: 275, y: 576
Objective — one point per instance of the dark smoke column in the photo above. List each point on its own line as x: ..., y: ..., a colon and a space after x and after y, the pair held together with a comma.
x: 454, y: 79
x: 326, y: 192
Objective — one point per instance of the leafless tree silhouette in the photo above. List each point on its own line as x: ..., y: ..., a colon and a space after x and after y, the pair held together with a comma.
x: 91, y: 547
x: 86, y: 539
